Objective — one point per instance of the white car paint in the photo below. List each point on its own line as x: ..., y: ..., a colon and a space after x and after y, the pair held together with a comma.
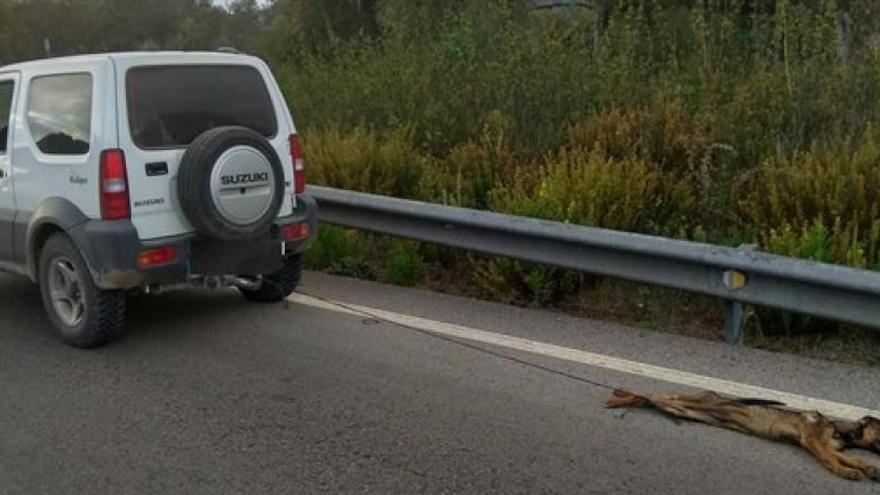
x: 7, y: 195
x: 36, y: 176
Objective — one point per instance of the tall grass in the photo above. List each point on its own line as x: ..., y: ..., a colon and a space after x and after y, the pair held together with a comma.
x: 822, y: 204
x: 728, y: 121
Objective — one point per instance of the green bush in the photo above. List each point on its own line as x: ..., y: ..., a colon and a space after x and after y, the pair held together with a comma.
x: 343, y: 252
x: 442, y: 68
x: 822, y: 204
x: 404, y: 264
x: 365, y: 160
x: 513, y: 281
x: 729, y: 122
x: 331, y: 245
x: 587, y: 188
x: 591, y: 189
x: 472, y: 170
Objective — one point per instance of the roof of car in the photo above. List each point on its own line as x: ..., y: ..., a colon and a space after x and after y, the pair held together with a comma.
x: 145, y: 57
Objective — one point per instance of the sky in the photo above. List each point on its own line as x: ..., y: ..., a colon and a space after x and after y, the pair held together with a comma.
x: 227, y: 2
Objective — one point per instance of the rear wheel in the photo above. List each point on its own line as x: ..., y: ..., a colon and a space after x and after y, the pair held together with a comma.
x: 277, y: 286
x: 84, y: 315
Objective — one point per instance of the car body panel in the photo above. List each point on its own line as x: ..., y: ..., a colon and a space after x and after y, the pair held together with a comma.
x: 45, y: 193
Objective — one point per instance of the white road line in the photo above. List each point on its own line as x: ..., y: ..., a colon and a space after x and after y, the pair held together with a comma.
x: 834, y: 409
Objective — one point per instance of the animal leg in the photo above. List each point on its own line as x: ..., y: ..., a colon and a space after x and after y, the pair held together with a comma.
x: 831, y: 459
x: 870, y: 471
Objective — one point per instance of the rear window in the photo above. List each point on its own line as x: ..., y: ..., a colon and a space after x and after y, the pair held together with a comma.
x: 169, y: 107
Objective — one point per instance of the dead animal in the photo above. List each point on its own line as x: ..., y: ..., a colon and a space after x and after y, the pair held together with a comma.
x: 826, y: 439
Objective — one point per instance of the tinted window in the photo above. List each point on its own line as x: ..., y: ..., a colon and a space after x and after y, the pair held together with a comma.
x: 60, y: 113
x: 171, y: 106
x: 6, y: 89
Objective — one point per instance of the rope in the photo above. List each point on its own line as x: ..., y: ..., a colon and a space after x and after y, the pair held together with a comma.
x: 460, y: 343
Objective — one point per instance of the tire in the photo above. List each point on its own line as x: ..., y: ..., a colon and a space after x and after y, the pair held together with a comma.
x: 200, y: 183
x: 101, y: 318
x: 277, y: 286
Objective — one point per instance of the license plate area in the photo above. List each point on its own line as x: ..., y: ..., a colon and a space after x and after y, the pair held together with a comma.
x: 249, y: 257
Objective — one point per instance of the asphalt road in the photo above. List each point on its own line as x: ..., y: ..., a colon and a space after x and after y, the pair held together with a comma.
x: 210, y: 394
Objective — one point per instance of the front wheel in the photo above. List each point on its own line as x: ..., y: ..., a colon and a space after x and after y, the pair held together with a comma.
x: 277, y: 286
x: 84, y: 315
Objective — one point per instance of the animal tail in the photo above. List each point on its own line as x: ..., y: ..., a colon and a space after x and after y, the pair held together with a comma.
x: 624, y: 398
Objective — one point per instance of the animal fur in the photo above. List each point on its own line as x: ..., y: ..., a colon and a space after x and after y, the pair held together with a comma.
x: 824, y: 438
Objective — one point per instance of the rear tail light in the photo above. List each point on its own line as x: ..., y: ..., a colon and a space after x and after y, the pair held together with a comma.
x: 114, y: 186
x: 295, y: 231
x: 299, y: 164
x: 157, y: 257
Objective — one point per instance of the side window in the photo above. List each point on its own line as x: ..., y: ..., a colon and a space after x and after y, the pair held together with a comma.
x: 59, y: 113
x: 6, y: 90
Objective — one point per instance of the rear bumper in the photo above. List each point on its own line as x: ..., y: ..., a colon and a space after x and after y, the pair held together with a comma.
x: 111, y: 251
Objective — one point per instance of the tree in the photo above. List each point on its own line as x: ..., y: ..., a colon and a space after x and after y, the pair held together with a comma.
x: 5, y: 55
x: 316, y: 26
x: 244, y: 24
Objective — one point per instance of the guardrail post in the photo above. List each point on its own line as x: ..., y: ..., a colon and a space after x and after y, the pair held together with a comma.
x: 735, y: 280
x: 733, y: 322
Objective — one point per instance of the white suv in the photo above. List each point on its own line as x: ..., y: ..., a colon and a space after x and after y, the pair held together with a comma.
x: 148, y: 171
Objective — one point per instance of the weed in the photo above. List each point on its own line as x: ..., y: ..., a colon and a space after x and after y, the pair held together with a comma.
x: 404, y: 266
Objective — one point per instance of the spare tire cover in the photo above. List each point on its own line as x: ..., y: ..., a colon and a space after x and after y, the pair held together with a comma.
x: 230, y: 183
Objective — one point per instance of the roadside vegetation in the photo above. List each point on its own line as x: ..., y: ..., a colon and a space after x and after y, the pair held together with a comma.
x: 724, y: 121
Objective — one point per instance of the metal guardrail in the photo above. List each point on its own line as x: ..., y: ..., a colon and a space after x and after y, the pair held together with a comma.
x: 736, y: 275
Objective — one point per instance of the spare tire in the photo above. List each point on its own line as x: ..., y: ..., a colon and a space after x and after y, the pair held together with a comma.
x: 230, y: 184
